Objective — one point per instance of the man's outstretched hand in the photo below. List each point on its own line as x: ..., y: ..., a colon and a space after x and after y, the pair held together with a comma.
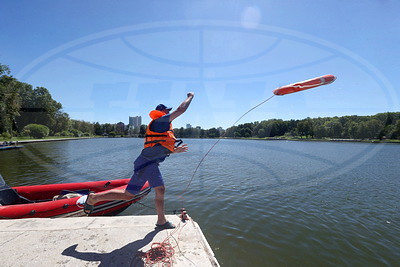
x: 181, y: 148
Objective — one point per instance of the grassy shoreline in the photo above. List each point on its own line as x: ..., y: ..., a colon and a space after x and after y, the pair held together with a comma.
x: 395, y: 141
x: 45, y: 139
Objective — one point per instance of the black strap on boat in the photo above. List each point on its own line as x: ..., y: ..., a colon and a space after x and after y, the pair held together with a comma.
x: 155, y: 135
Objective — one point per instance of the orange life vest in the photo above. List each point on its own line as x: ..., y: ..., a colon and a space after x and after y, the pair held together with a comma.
x: 166, y: 139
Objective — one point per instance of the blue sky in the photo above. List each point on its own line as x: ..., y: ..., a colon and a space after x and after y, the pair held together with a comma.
x: 106, y: 61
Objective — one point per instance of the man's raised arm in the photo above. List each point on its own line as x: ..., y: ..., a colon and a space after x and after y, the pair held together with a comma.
x: 182, y: 107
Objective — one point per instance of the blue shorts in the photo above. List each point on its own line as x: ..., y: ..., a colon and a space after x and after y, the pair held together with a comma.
x: 144, y: 171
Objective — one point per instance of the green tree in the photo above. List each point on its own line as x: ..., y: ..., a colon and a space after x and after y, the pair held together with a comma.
x: 237, y: 134
x: 4, y: 70
x: 373, y: 128
x: 320, y: 131
x: 83, y: 126
x: 278, y: 128
x: 202, y: 133
x: 196, y: 132
x: 212, y: 133
x: 261, y: 133
x: 76, y: 133
x: 395, y: 133
x: 37, y: 130
x: 62, y: 122
x: 352, y: 130
x: 305, y: 127
x: 362, y: 130
x: 142, y: 130
x: 5, y: 136
x: 9, y: 102
x: 244, y: 130
x: 181, y: 132
x: 334, y: 128
x: 66, y: 133
x: 37, y: 106
x: 188, y: 133
x: 97, y: 129
x: 230, y: 132
x: 108, y: 128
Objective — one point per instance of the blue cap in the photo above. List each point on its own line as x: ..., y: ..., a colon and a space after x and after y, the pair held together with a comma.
x: 162, y: 107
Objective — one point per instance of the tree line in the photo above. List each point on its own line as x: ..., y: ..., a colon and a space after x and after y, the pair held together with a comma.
x: 28, y: 111
x: 380, y: 126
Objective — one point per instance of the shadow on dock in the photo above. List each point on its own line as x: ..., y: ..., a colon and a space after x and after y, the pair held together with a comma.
x: 128, y: 255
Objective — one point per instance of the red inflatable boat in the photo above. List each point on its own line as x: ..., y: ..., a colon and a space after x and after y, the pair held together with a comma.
x: 60, y: 200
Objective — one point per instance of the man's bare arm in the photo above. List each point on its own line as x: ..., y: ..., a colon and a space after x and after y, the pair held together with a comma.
x: 182, y: 107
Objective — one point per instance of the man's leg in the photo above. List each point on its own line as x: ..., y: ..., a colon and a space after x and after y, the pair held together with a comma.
x: 160, y: 191
x: 115, y: 194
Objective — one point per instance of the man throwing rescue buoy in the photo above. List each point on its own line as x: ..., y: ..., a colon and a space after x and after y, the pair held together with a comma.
x: 159, y: 143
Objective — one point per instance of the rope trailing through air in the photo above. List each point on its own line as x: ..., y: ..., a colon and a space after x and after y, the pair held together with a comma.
x: 219, y: 139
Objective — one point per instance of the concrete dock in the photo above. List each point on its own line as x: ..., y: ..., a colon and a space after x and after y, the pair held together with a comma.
x: 99, y: 241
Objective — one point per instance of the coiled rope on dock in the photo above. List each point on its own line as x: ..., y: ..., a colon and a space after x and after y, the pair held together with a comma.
x: 161, y: 253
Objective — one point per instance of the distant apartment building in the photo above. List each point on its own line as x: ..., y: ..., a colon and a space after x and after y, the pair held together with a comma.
x: 188, y: 126
x: 135, y: 121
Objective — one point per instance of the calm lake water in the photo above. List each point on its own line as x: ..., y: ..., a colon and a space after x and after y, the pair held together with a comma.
x: 259, y: 203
